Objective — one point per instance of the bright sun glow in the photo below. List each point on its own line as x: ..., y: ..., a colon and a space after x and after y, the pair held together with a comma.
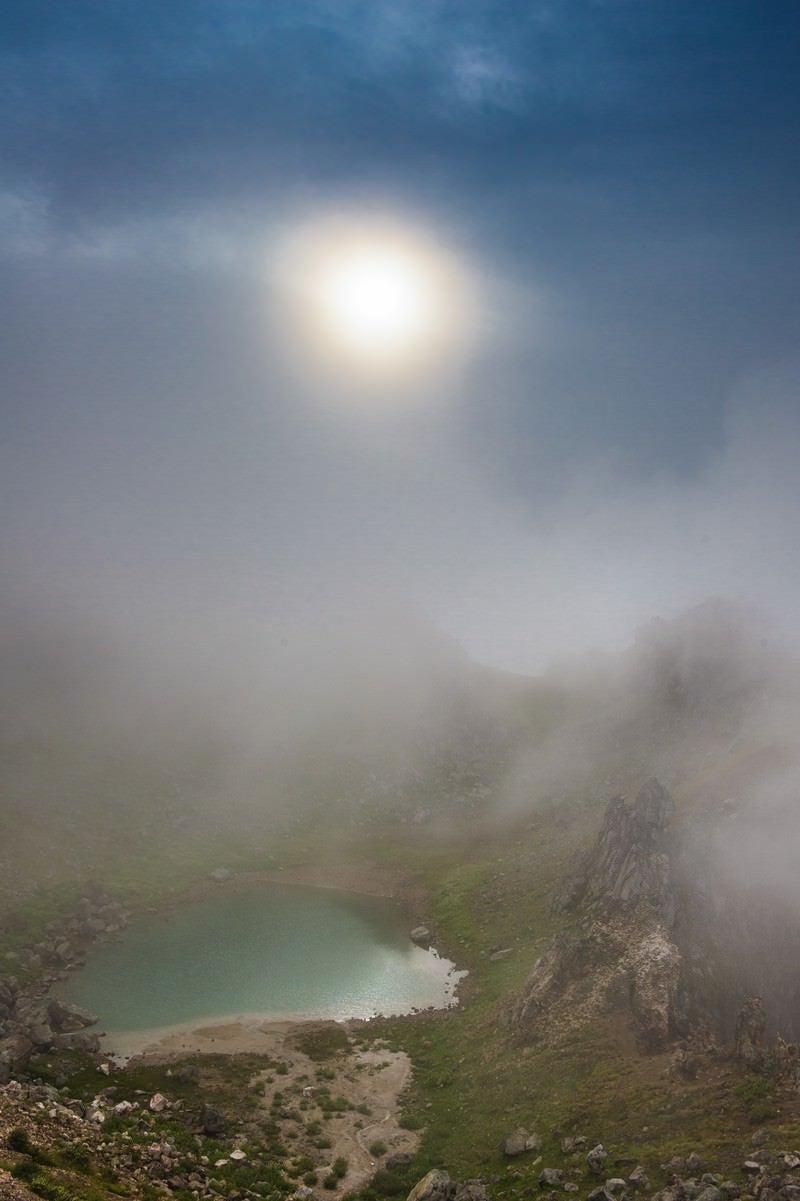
x: 379, y: 298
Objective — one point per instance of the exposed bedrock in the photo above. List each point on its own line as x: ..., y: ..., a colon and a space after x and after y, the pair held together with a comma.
x: 656, y: 936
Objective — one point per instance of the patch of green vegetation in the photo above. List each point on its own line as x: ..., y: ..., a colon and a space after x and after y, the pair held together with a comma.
x: 51, y: 1188
x: 332, y: 1105
x: 18, y: 1140
x: 75, y: 1156
x: 322, y: 1042
x: 377, y: 1149
x: 757, y: 1097
x: 386, y: 1184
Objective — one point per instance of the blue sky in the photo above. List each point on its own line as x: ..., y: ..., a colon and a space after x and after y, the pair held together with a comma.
x: 620, y: 177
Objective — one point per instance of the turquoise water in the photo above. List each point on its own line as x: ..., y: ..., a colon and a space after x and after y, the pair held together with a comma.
x: 277, y: 951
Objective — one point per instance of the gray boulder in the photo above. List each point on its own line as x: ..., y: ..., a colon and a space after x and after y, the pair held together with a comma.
x: 471, y: 1190
x: 710, y: 1194
x: 520, y: 1141
x: 551, y: 1178
x: 65, y: 1018
x: 76, y: 1040
x: 596, y: 1159
x: 435, y: 1186
x: 638, y: 1179
x: 574, y: 1143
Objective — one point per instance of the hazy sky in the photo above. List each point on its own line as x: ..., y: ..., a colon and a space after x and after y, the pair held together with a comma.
x: 618, y: 436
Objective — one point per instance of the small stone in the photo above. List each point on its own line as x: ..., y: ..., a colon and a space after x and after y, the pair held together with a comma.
x: 550, y: 1177
x: 638, y: 1179
x: 572, y: 1144
x: 238, y: 1154
x: 596, y: 1158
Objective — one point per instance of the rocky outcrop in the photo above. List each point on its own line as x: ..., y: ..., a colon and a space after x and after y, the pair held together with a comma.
x: 749, y: 1044
x: 658, y: 933
x: 624, y: 954
x: 629, y: 863
x: 30, y: 1019
x: 30, y: 1023
x: 435, y: 1186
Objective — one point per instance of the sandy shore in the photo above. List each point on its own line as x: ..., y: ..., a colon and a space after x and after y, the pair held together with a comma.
x: 226, y: 1037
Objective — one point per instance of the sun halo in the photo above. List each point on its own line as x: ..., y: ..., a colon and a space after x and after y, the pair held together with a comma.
x: 374, y: 299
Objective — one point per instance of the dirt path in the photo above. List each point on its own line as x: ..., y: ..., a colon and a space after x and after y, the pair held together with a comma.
x: 348, y: 1101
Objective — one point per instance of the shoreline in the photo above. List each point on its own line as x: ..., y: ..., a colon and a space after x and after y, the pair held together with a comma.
x: 240, y: 1034
x: 248, y: 1032
x: 387, y: 884
x: 259, y: 1032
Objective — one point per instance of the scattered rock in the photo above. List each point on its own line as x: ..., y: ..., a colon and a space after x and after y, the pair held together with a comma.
x: 638, y: 1179
x: 551, y: 1178
x: 471, y: 1190
x: 435, y: 1186
x: 520, y: 1141
x: 65, y: 1018
x: 574, y: 1143
x: 596, y: 1159
x: 711, y: 1193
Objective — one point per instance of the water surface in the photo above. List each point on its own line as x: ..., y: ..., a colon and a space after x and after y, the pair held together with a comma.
x: 272, y: 950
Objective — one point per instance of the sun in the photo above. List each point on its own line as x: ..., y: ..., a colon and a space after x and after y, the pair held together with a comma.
x: 375, y: 298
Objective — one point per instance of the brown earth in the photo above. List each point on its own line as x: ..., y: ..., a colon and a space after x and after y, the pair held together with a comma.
x: 369, y: 1079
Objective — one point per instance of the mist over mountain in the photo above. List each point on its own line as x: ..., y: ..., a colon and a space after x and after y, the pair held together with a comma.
x: 377, y: 717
